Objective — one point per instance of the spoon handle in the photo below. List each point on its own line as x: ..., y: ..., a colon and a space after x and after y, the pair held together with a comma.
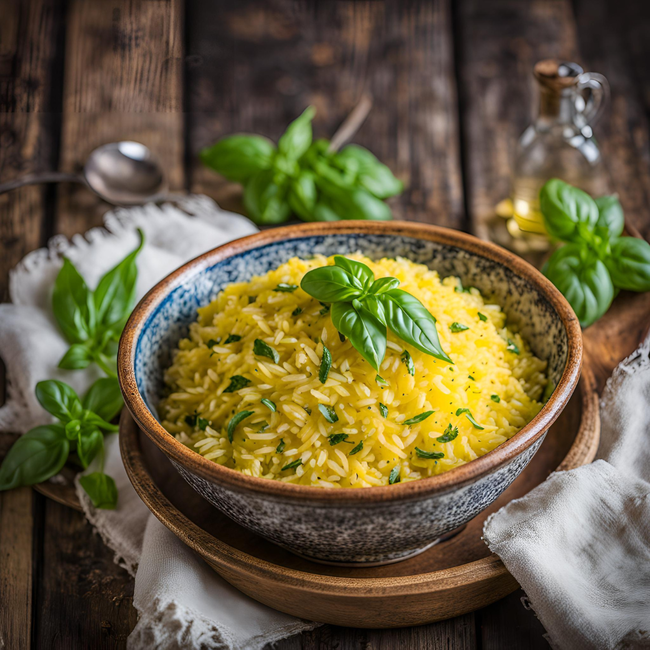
x: 44, y: 177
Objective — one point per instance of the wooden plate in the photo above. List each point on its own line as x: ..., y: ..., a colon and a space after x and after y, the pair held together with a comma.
x: 452, y: 578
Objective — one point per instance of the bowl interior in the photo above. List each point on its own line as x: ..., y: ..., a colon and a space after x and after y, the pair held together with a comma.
x: 527, y: 310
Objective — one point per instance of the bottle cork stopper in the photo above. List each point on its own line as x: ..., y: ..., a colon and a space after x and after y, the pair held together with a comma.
x: 556, y: 75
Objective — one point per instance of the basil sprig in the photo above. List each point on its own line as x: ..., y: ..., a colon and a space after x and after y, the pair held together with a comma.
x: 303, y: 177
x: 92, y: 321
x: 41, y: 453
x: 363, y: 308
x: 595, y: 261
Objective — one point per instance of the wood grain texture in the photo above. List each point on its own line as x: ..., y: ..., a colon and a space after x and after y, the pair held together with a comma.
x: 264, y: 62
x: 123, y: 81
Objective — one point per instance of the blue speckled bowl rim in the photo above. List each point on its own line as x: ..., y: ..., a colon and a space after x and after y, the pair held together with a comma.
x: 422, y: 488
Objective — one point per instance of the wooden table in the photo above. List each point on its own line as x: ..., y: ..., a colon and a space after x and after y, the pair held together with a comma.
x: 452, y: 90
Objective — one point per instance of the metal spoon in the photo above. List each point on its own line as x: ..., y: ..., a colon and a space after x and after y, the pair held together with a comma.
x: 121, y: 173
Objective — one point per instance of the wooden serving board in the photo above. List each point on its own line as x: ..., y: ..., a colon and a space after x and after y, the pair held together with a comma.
x: 456, y: 576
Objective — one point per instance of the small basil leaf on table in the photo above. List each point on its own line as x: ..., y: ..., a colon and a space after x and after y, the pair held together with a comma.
x: 409, y: 319
x: 366, y: 334
x: 292, y: 465
x: 356, y: 449
x: 264, y: 199
x: 565, y: 207
x: 325, y: 365
x: 336, y: 438
x: 629, y: 264
x: 610, y: 215
x: 104, y: 398
x: 36, y: 456
x: 449, y: 434
x: 371, y: 174
x: 269, y: 404
x: 394, y: 476
x: 429, y: 455
x: 470, y: 417
x: 331, y: 284
x: 383, y: 409
x: 262, y: 349
x: 418, y: 418
x: 296, y: 139
x: 383, y: 285
x: 408, y: 362
x: 59, y: 399
x: 78, y: 357
x: 235, y: 420
x: 114, y: 296
x: 283, y: 287
x: 90, y: 442
x: 236, y: 383
x: 238, y: 157
x: 583, y: 279
x: 73, y: 305
x: 101, y: 489
x: 359, y: 270
x: 328, y: 413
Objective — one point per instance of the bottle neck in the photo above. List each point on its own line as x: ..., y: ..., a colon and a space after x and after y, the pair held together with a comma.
x: 556, y: 107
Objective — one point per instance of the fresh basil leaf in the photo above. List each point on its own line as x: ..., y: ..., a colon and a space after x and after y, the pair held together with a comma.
x: 371, y: 174
x: 356, y: 449
x: 90, y: 441
x: 36, y: 456
x: 629, y: 264
x: 232, y: 338
x: 269, y: 404
x: 450, y: 433
x: 583, y: 279
x: 366, y: 334
x: 237, y: 382
x: 58, y: 399
x: 383, y: 409
x: 331, y: 284
x: 564, y: 207
x: 78, y: 357
x: 303, y: 195
x: 336, y: 438
x: 394, y: 476
x: 418, y: 418
x: 328, y: 413
x: 495, y: 398
x: 280, y: 448
x: 262, y: 349
x: 429, y: 455
x: 610, y: 215
x: 512, y: 347
x: 235, y: 420
x: 91, y: 419
x: 104, y: 398
x: 72, y: 304
x: 297, y: 311
x: 354, y: 204
x: 482, y: 317
x: 374, y: 306
x: 292, y: 465
x: 265, y: 200
x: 283, y: 287
x: 324, y: 211
x: 409, y: 319
x: 238, y: 157
x: 101, y: 489
x: 114, y: 296
x: 325, y: 365
x: 72, y: 429
x: 408, y: 362
x: 458, y: 327
x: 296, y: 139
x: 356, y: 269
x: 470, y: 417
x: 383, y: 285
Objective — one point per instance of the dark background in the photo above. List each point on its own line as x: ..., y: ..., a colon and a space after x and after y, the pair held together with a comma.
x: 452, y: 89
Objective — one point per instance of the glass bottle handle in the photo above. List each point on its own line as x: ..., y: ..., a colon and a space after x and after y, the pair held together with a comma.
x: 596, y: 89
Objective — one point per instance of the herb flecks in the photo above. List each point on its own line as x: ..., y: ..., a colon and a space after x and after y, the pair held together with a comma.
x: 418, y: 418
x: 450, y: 433
x: 325, y: 365
x: 512, y: 347
x: 234, y: 421
x: 292, y: 465
x: 286, y: 288
x: 357, y: 449
x: 269, y: 404
x: 394, y: 476
x: 232, y: 338
x: 336, y: 438
x: 457, y: 327
x: 297, y: 311
x: 407, y: 360
x: 383, y: 409
x: 262, y: 349
x: 495, y: 398
x: 429, y: 455
x: 470, y: 417
x: 482, y: 317
x: 328, y: 413
x: 280, y: 448
x: 237, y: 382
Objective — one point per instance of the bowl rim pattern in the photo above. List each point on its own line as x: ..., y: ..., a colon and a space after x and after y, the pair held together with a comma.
x: 422, y: 488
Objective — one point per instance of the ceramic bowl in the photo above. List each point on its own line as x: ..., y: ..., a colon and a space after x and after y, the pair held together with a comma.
x: 352, y: 526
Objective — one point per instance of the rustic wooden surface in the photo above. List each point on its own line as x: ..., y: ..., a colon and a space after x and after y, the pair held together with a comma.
x: 452, y: 89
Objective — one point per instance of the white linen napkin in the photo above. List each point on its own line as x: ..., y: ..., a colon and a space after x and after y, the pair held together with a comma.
x: 579, y: 543
x: 182, y: 602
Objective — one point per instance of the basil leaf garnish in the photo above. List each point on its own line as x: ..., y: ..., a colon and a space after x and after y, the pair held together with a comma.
x: 394, y: 476
x: 383, y: 285
x: 331, y: 284
x: 328, y: 413
x: 470, y: 417
x: 418, y: 418
x: 429, y: 455
x: 325, y: 365
x: 236, y: 383
x: 269, y: 404
x: 366, y: 334
x: 359, y: 270
x: 263, y: 349
x: 408, y: 362
x: 235, y: 420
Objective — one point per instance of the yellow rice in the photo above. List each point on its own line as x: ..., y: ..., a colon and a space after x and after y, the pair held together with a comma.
x: 483, y: 367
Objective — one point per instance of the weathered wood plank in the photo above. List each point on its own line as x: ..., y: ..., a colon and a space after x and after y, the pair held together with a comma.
x: 28, y: 39
x: 123, y: 81
x: 254, y: 66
